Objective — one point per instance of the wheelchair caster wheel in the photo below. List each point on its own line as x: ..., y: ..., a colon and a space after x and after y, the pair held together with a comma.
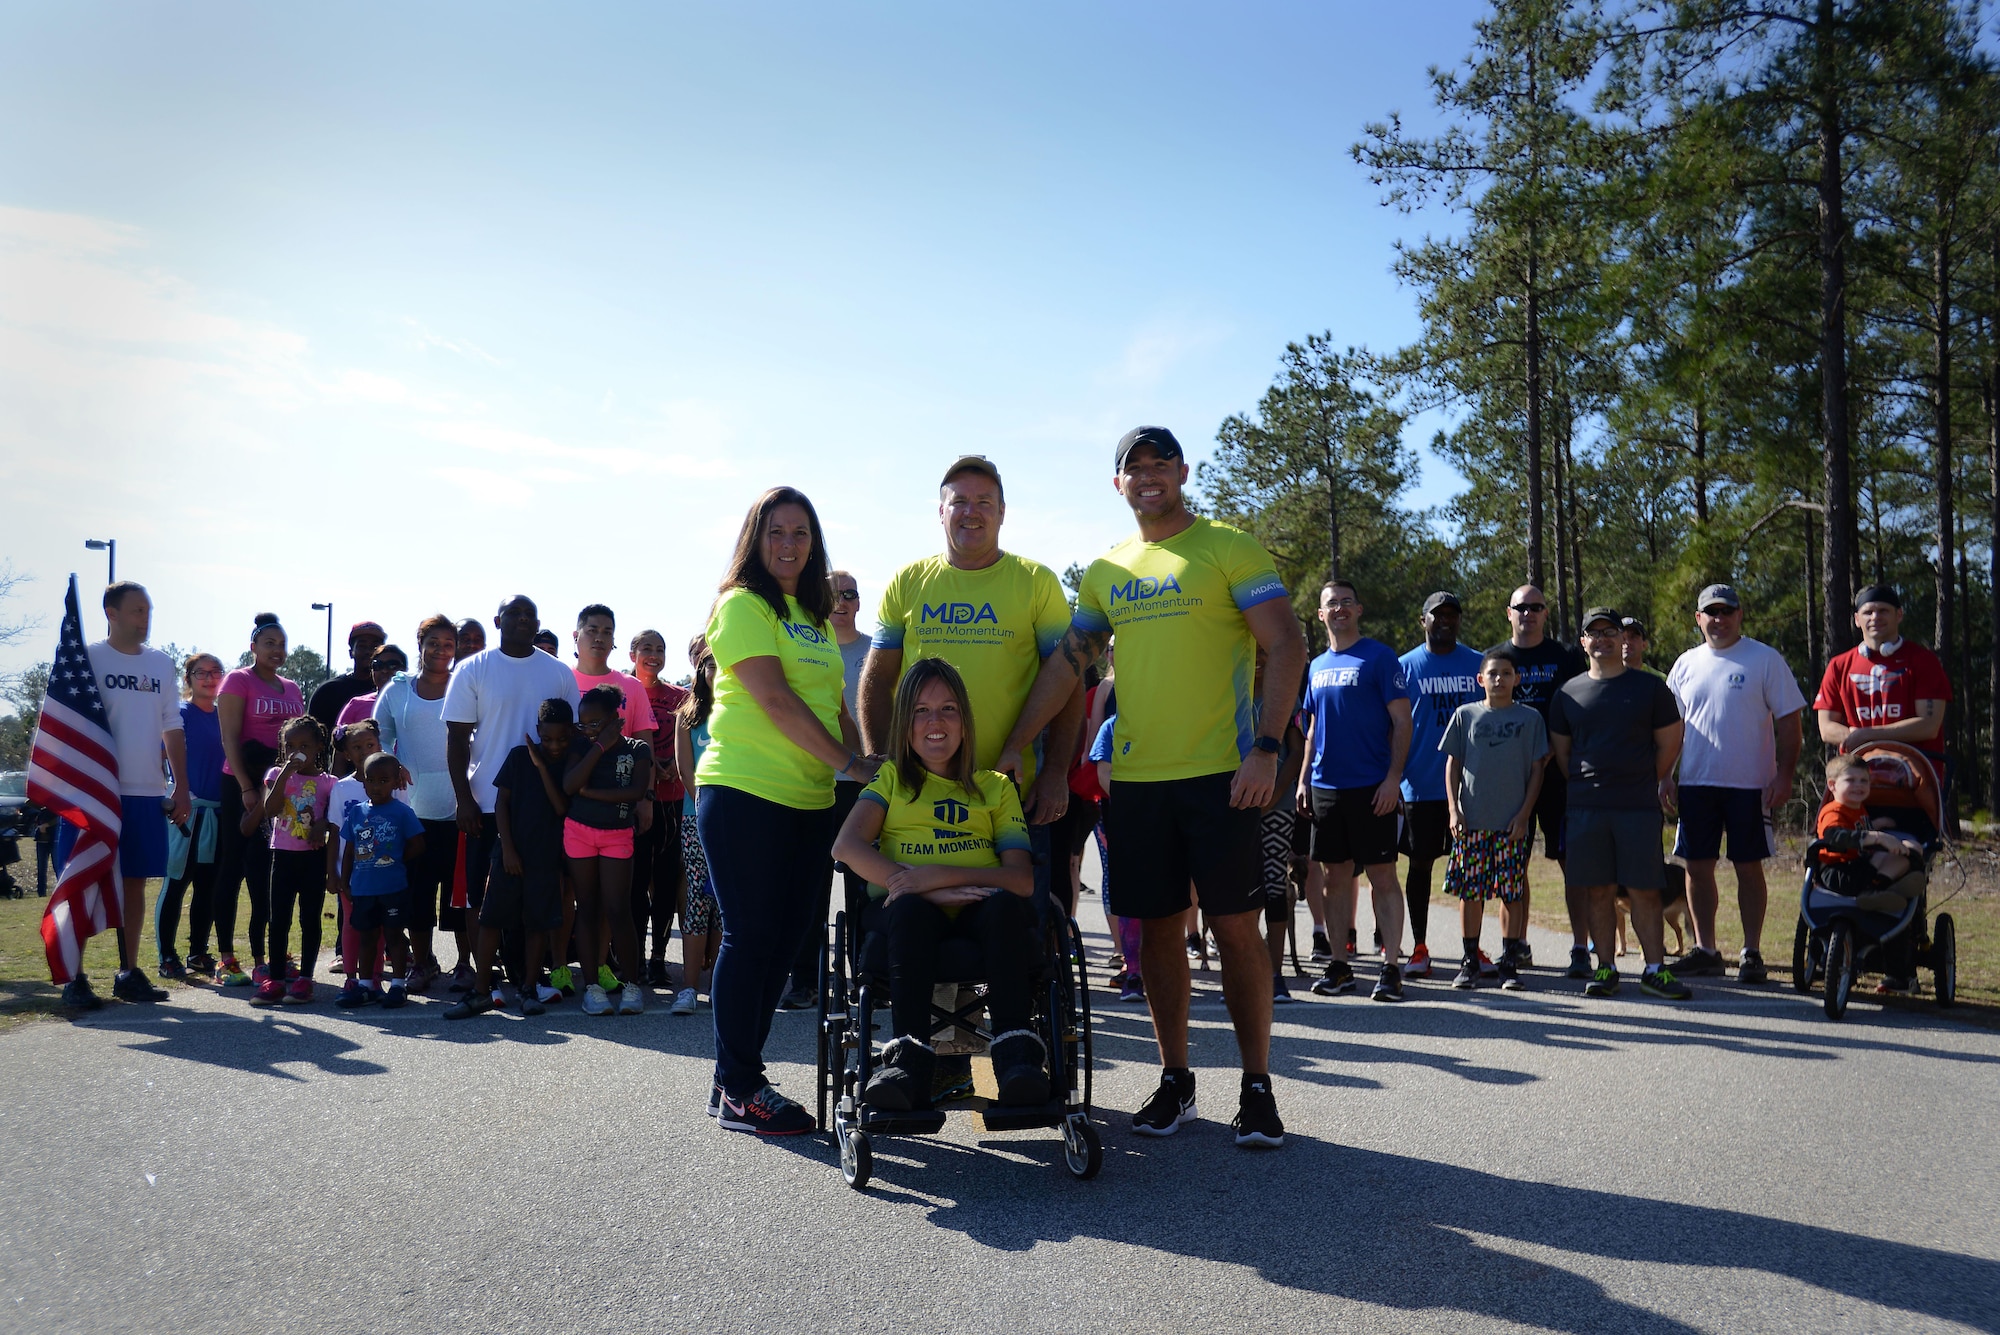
x: 857, y: 1161
x: 1083, y: 1152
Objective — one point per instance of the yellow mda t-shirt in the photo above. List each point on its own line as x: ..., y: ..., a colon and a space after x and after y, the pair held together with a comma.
x: 941, y: 825
x: 1186, y: 657
x: 745, y: 749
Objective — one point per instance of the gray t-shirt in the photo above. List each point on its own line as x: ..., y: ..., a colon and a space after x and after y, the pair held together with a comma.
x: 1610, y: 725
x: 852, y: 656
x: 1499, y: 749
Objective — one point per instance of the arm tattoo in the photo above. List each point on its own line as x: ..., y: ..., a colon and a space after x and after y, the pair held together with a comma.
x: 1082, y: 648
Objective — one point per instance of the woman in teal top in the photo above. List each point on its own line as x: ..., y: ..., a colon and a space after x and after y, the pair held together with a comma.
x: 778, y: 734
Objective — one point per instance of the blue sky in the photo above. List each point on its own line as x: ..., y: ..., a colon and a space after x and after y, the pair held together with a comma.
x: 411, y: 307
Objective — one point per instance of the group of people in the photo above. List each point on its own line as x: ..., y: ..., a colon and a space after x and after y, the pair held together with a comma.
x: 554, y: 819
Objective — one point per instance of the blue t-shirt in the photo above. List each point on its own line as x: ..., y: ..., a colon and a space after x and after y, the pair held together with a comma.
x: 1439, y: 684
x: 378, y: 834
x: 203, y: 730
x: 1348, y: 694
x: 1100, y: 749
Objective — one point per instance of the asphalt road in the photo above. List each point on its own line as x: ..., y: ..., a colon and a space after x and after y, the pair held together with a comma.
x: 1456, y: 1163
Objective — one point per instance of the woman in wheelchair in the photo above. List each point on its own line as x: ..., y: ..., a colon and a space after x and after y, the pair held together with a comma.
x: 945, y: 853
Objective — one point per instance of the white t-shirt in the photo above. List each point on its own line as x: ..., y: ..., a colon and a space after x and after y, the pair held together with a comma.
x: 140, y: 705
x: 500, y: 696
x: 1728, y: 699
x: 413, y: 731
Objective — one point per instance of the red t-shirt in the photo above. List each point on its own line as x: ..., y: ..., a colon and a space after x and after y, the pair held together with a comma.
x: 1867, y: 690
x: 666, y: 699
x: 1834, y: 816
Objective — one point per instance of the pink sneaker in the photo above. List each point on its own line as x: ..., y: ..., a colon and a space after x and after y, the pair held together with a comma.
x: 299, y: 993
x: 269, y: 993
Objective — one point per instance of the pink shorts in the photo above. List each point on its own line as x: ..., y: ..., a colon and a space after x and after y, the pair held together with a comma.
x: 587, y: 841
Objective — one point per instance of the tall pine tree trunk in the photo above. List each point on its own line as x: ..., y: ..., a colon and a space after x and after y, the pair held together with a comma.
x: 1534, y: 354
x: 1990, y: 392
x: 1943, y: 472
x: 1833, y: 236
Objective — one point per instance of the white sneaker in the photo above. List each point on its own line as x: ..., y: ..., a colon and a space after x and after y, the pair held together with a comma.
x: 631, y: 1000
x: 547, y: 995
x: 595, y: 1002
x: 684, y: 1001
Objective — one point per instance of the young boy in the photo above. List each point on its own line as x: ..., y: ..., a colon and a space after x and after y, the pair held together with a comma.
x: 378, y: 839
x: 1845, y: 830
x: 1492, y: 777
x: 354, y: 743
x: 525, y: 893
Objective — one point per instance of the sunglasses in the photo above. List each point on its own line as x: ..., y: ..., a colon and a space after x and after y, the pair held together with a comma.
x: 1531, y: 607
x: 846, y: 596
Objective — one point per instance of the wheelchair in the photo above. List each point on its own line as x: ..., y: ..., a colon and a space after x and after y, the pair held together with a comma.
x: 854, y: 983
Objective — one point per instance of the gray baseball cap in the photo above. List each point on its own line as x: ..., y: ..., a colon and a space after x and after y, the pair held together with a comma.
x: 1717, y: 593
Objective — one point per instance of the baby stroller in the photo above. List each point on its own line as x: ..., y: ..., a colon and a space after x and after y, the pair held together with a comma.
x: 854, y: 972
x: 1838, y: 939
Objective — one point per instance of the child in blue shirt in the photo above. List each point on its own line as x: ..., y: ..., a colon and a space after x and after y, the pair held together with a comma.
x: 379, y: 838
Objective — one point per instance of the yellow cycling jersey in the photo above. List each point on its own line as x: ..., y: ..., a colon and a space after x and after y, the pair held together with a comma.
x: 745, y: 749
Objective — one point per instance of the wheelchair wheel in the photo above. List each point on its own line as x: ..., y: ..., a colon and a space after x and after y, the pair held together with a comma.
x: 1083, y: 1001
x: 1944, y: 959
x: 857, y: 1159
x: 1802, y: 957
x: 1083, y: 1151
x: 825, y: 1068
x: 1840, y: 968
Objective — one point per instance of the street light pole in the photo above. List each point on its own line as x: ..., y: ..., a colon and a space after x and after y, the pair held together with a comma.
x: 328, y: 609
x: 109, y: 545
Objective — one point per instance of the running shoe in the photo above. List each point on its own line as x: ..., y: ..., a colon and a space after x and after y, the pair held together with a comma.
x: 1257, y: 1124
x: 547, y: 995
x: 1280, y: 994
x: 1487, y: 968
x: 338, y: 965
x: 133, y: 985
x: 766, y: 1113
x: 353, y: 995
x: 1322, y: 946
x: 1339, y: 979
x: 171, y: 967
x: 1131, y: 988
x: 631, y: 1000
x: 684, y: 1002
x: 1389, y: 986
x: 1524, y: 954
x: 1194, y: 949
x: 473, y: 1003
x: 714, y: 1100
x: 259, y: 975
x: 397, y: 994
x: 1603, y: 983
x: 1510, y: 977
x: 531, y: 1004
x: 1662, y: 983
x: 1892, y: 987
x: 78, y: 996
x: 201, y: 964
x: 656, y: 973
x: 560, y: 979
x: 291, y: 968
x: 1419, y: 963
x: 1467, y: 976
x: 270, y: 992
x: 1172, y: 1104
x: 461, y: 978
x: 229, y: 973
x: 299, y: 992
x: 420, y: 976
x: 595, y: 1001
x: 1579, y: 963
x: 607, y: 979
x: 1698, y: 963
x: 804, y: 997
x: 1352, y: 949
x: 499, y: 998
x: 1750, y: 967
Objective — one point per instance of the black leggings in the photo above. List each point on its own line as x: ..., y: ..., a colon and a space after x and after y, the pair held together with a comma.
x: 200, y: 879
x: 298, y: 877
x: 242, y: 859
x: 656, y: 878
x: 1003, y: 923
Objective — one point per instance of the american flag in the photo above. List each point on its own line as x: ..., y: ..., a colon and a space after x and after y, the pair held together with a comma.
x: 73, y: 771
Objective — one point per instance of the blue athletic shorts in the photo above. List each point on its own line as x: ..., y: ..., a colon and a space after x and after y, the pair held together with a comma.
x: 142, y: 844
x: 1707, y: 814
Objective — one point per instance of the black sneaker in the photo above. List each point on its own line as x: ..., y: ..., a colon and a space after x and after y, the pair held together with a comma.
x: 1322, y: 947
x: 1257, y: 1125
x: 1339, y: 979
x: 1750, y: 967
x: 476, y: 1002
x: 1510, y: 977
x: 1467, y: 976
x: 78, y: 996
x: 1524, y: 955
x: 767, y: 1113
x: 133, y: 985
x: 1579, y: 963
x: 1172, y: 1103
x: 1698, y: 963
x: 804, y: 997
x: 715, y: 1100
x: 1603, y: 983
x: 1662, y: 983
x: 1389, y: 987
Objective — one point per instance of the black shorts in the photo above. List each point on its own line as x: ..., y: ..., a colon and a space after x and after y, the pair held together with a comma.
x: 1346, y: 828
x: 1164, y: 835
x: 531, y: 901
x: 1707, y: 814
x: 1550, y: 810
x: 1426, y: 830
x: 375, y: 913
x: 431, y: 875
x: 1070, y: 835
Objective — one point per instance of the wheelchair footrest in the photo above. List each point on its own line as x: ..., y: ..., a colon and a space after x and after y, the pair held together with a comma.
x: 901, y: 1123
x: 1002, y: 1117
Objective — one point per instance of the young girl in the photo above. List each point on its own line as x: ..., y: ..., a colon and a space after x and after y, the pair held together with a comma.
x: 701, y: 920
x: 946, y: 854
x: 296, y: 797
x: 609, y: 774
x: 656, y: 864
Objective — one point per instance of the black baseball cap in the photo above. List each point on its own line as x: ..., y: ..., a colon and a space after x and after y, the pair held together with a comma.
x: 1634, y: 626
x: 1442, y: 599
x: 1158, y: 437
x: 1878, y: 593
x: 1597, y: 614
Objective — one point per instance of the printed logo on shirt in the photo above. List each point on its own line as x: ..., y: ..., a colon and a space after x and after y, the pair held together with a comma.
x: 950, y: 811
x: 1335, y: 677
x: 1736, y: 680
x: 1263, y: 588
x: 958, y: 614
x: 122, y: 681
x: 804, y: 634
x: 1141, y: 587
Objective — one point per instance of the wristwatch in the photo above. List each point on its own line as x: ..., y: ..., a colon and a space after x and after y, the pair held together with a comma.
x: 1270, y: 746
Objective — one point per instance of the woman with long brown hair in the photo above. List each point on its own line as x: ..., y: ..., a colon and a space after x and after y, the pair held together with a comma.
x: 252, y: 709
x: 778, y: 735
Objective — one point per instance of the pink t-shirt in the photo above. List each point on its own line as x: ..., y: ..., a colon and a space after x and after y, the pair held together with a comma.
x: 360, y: 707
x: 637, y: 714
x: 265, y: 707
x: 306, y: 798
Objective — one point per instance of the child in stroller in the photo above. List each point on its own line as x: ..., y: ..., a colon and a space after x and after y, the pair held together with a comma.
x: 1869, y: 861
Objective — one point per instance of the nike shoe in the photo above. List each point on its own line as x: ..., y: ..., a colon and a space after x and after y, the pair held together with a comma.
x: 1322, y: 946
x: 1257, y: 1124
x: 1419, y: 963
x: 1467, y: 977
x: 765, y: 1113
x: 1281, y: 995
x: 1389, y: 986
x: 1172, y: 1104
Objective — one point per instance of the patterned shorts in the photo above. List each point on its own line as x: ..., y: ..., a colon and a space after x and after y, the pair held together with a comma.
x: 700, y: 915
x: 1486, y: 864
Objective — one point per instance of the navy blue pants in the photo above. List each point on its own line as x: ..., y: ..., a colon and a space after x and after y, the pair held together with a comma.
x: 767, y: 862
